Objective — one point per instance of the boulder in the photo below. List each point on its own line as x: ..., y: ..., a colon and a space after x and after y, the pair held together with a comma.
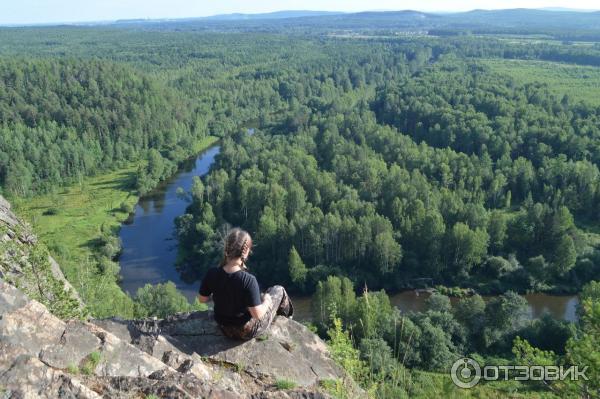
x: 26, y: 324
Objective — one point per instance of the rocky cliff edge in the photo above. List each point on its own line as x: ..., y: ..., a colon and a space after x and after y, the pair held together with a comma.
x: 183, y: 356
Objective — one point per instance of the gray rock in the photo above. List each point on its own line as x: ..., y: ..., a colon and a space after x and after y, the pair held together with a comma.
x: 75, y: 344
x: 11, y: 298
x: 288, y: 351
x: 119, y: 358
x: 27, y: 324
x: 162, y: 384
x: 30, y: 378
x: 39, y: 354
x: 296, y: 394
x: 6, y: 214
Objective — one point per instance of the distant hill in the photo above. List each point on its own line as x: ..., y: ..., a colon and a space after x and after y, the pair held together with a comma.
x: 569, y: 9
x: 270, y: 15
x: 235, y: 17
x: 562, y: 24
x: 523, y: 18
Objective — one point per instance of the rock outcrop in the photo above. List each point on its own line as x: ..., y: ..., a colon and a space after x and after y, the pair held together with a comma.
x: 183, y: 356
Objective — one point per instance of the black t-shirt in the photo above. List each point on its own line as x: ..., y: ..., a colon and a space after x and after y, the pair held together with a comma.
x: 232, y: 294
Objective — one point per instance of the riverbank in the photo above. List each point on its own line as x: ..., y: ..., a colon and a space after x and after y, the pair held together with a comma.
x: 71, y: 222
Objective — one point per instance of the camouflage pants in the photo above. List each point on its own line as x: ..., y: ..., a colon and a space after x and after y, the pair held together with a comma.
x: 281, y: 304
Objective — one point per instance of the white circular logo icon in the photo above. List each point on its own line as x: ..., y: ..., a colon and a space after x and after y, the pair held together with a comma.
x: 465, y: 373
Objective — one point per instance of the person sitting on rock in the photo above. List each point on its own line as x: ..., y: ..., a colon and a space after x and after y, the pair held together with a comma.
x: 239, y: 310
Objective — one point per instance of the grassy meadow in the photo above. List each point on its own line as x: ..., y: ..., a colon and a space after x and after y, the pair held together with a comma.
x: 580, y: 83
x: 71, y: 222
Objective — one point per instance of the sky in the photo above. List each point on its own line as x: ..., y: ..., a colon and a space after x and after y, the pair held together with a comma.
x: 16, y: 12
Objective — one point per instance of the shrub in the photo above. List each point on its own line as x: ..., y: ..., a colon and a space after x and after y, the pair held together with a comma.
x: 126, y: 207
x: 161, y: 300
x: 112, y: 246
x: 344, y: 353
x: 108, y: 267
x: 378, y: 355
x: 51, y: 211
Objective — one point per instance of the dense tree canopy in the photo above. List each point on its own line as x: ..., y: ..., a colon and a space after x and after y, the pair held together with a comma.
x: 449, y: 172
x: 63, y: 119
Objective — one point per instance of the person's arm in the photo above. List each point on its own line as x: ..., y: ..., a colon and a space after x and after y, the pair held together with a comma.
x: 259, y: 311
x: 205, y: 288
x: 257, y: 307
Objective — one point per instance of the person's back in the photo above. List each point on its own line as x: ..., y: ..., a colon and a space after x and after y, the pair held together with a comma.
x: 233, y: 293
x: 239, y: 309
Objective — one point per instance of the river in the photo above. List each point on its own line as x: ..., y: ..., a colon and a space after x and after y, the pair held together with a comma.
x: 558, y: 306
x: 150, y: 248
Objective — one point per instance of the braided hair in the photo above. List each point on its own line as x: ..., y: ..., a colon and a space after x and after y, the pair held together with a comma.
x: 236, y: 243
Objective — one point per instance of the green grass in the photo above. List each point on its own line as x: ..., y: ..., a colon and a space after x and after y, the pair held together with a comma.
x: 285, y: 384
x: 72, y: 228
x: 239, y: 368
x: 327, y: 383
x: 73, y: 369
x: 90, y: 364
x: 71, y: 221
x: 78, y: 213
x: 580, y: 83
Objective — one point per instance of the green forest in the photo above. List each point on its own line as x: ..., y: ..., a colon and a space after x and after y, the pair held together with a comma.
x: 379, y: 162
x: 483, y: 190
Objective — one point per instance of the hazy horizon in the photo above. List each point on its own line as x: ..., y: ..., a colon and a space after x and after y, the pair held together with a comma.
x: 40, y: 12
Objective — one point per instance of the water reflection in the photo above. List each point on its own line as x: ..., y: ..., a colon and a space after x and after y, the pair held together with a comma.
x: 564, y: 307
